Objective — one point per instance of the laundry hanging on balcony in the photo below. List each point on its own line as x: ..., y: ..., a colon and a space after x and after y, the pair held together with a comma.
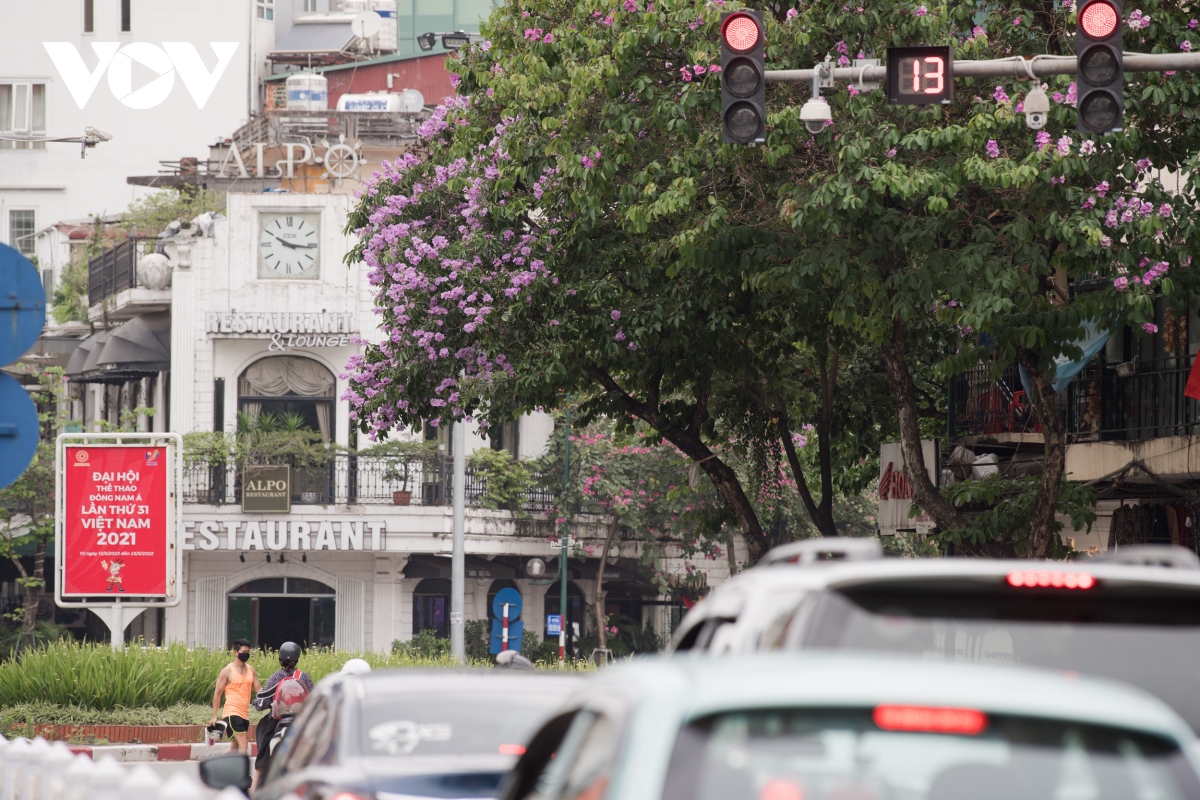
x: 1065, y: 368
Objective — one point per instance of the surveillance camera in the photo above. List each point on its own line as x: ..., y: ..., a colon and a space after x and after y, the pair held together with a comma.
x: 815, y: 114
x: 1037, y: 108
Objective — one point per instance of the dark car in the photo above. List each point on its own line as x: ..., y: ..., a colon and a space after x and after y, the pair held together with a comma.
x: 447, y: 734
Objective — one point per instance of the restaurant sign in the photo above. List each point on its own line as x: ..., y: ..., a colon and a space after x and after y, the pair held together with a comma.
x: 267, y: 489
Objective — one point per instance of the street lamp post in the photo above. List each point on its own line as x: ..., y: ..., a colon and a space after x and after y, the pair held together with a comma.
x: 562, y: 560
x: 458, y: 550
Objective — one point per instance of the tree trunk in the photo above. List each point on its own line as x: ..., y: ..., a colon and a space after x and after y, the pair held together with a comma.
x: 904, y: 391
x: 1043, y: 526
x: 601, y: 629
x: 690, y: 443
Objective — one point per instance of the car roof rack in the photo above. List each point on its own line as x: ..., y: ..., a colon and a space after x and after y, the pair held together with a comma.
x: 812, y: 551
x: 1153, y: 555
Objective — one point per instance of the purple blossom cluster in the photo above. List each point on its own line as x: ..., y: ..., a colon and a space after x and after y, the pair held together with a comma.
x: 440, y: 273
x: 1138, y: 21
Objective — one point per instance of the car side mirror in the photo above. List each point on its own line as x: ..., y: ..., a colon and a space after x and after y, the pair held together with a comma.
x: 220, y: 772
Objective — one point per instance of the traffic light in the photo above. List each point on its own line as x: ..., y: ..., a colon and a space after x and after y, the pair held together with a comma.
x: 743, y: 78
x: 1099, y: 29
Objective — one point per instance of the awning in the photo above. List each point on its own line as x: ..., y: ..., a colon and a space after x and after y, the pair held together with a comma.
x: 135, y: 349
x: 314, y: 37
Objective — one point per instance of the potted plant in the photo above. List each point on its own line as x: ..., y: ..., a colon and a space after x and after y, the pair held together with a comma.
x: 398, y: 459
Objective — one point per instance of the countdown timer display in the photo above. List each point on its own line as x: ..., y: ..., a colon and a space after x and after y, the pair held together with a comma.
x: 920, y: 76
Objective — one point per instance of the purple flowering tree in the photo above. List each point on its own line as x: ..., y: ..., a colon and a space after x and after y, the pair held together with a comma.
x: 544, y: 239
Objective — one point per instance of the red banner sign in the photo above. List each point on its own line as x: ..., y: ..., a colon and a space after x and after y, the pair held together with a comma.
x: 116, y: 515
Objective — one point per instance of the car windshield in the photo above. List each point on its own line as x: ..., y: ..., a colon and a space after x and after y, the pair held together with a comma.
x: 857, y: 754
x: 462, y: 724
x: 1135, y: 634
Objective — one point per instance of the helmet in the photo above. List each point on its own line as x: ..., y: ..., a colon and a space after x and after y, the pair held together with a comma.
x: 355, y: 666
x: 511, y: 659
x: 289, y: 654
x: 289, y: 696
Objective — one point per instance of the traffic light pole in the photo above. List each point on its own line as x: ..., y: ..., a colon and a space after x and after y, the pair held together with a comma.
x: 1019, y: 68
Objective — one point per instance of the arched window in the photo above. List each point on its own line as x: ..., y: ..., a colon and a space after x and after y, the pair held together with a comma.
x: 575, y: 622
x: 431, y: 607
x: 297, y: 389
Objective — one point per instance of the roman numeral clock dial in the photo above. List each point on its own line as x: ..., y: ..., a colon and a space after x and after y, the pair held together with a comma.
x: 289, y: 246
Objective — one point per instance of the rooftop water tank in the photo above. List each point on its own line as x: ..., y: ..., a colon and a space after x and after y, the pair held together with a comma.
x: 386, y: 39
x: 307, y: 91
x: 373, y: 101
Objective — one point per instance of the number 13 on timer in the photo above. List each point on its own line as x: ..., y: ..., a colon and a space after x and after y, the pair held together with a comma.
x: 920, y: 76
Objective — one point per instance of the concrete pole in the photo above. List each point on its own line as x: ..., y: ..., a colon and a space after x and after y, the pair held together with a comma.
x: 458, y: 554
x: 566, y: 537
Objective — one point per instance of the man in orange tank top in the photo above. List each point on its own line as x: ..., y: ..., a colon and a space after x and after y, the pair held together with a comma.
x: 238, y: 682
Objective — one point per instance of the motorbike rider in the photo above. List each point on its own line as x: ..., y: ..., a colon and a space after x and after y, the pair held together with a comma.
x: 282, y: 712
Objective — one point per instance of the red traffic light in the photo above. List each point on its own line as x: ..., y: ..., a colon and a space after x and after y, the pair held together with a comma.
x: 1099, y: 20
x: 741, y: 32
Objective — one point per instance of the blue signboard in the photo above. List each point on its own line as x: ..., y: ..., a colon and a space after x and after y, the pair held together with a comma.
x: 22, y: 315
x: 516, y: 628
x: 553, y: 625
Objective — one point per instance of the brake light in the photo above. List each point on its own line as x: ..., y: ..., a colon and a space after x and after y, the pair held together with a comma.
x: 930, y: 719
x: 512, y: 749
x: 346, y: 796
x: 1051, y: 579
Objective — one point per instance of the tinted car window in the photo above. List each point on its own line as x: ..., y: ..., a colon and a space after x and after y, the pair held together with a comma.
x: 1134, y: 634
x: 469, y: 724
x: 786, y: 754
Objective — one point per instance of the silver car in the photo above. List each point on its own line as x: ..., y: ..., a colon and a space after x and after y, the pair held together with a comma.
x: 787, y: 727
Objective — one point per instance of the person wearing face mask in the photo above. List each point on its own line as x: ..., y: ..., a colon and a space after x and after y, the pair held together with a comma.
x: 238, y: 682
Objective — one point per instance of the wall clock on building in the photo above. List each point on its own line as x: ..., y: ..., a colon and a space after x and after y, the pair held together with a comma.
x: 289, y: 246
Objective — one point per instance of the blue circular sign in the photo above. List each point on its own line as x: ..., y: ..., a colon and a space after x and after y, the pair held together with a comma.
x: 22, y: 305
x: 513, y: 598
x: 18, y: 429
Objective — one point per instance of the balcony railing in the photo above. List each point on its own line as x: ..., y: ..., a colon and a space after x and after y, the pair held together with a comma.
x: 115, y: 270
x: 1143, y: 401
x: 982, y: 405
x: 348, y: 479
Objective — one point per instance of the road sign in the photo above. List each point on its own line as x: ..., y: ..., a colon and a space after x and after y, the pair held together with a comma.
x: 22, y: 305
x: 22, y: 315
x: 553, y: 625
x: 118, y: 510
x: 18, y: 429
x: 507, y: 629
x: 510, y: 596
x: 920, y: 76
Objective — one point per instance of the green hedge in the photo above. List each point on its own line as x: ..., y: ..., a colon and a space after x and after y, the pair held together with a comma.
x: 97, y: 677
x: 74, y: 676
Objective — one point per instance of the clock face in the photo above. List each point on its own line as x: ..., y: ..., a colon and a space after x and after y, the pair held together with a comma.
x: 289, y: 246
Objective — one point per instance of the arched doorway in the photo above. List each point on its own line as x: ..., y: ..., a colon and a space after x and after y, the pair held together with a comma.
x: 297, y: 389
x: 271, y: 611
x: 575, y: 621
x: 431, y: 607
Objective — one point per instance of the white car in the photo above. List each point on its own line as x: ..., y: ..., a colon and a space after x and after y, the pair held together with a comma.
x: 788, y: 727
x: 736, y: 616
x: 1127, y: 618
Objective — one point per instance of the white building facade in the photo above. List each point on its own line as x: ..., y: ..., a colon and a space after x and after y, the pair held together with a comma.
x: 264, y: 316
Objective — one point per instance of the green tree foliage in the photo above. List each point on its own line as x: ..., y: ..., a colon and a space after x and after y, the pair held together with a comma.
x: 150, y: 215
x: 546, y: 245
